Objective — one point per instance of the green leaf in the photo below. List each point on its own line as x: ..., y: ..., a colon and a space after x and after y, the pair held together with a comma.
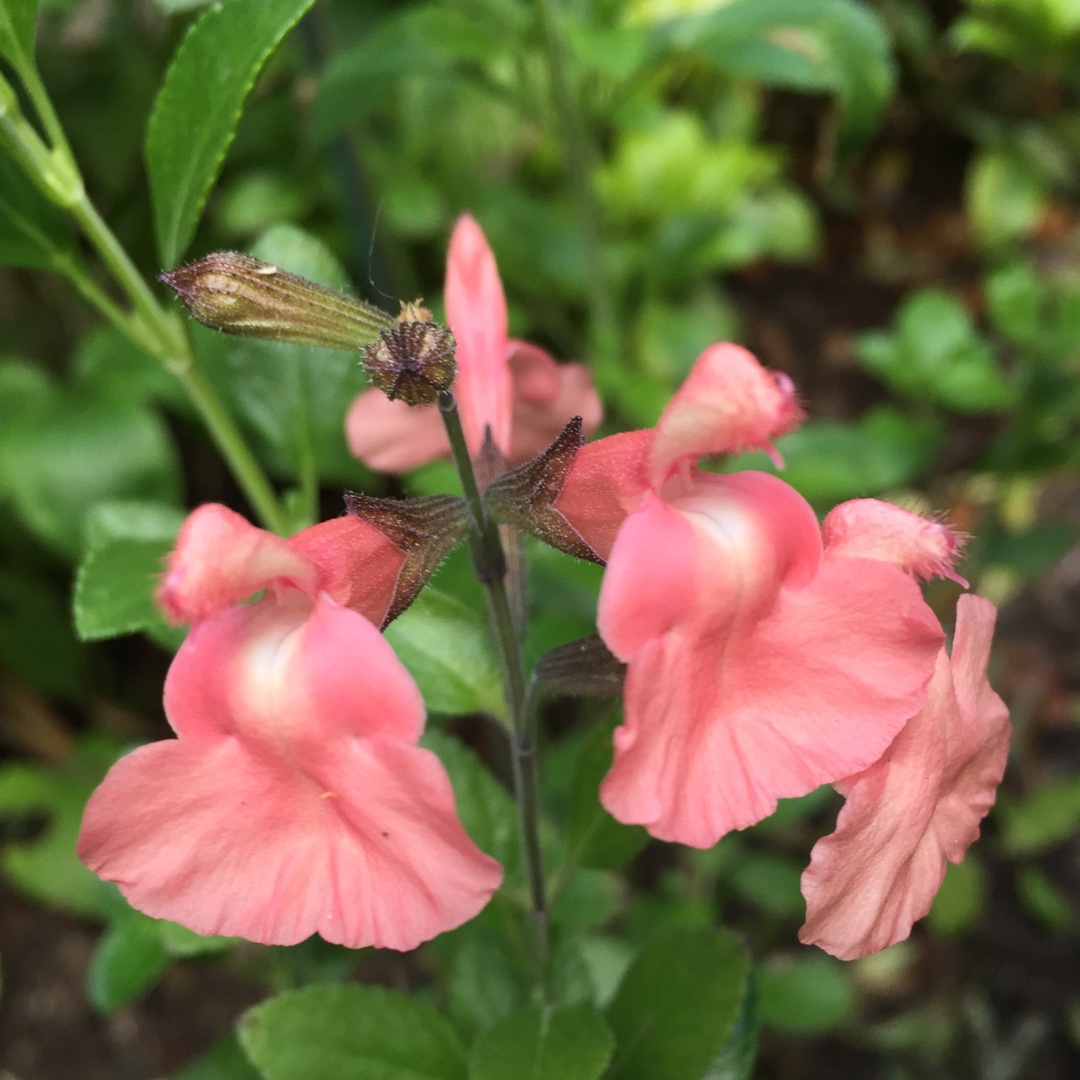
x: 1044, y: 900
x: 736, y: 1060
x: 1016, y: 299
x: 594, y: 837
x: 485, y: 807
x: 678, y: 1006
x: 1006, y: 198
x: 446, y: 647
x: 961, y: 898
x: 831, y: 45
x: 125, y: 555
x: 1047, y: 817
x: 33, y: 232
x: 47, y: 867
x: 829, y: 461
x: 66, y: 453
x: 199, y: 105
x: 811, y: 993
x: 295, y: 397
x: 937, y: 355
x: 225, y: 1061
x: 128, y: 960
x: 350, y: 1033
x: 17, y: 22
x: 544, y: 1044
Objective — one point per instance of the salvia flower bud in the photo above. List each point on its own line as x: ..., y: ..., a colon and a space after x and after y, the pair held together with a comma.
x: 238, y: 294
x: 414, y: 360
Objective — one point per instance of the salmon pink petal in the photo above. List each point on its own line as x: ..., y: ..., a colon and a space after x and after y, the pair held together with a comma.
x: 221, y: 559
x: 606, y: 482
x: 727, y: 404
x: 393, y: 437
x: 476, y: 312
x: 751, y: 679
x: 292, y: 673
x: 358, y: 564
x: 547, y: 396
x: 916, y: 808
x: 294, y: 801
x: 231, y: 838
x: 871, y: 529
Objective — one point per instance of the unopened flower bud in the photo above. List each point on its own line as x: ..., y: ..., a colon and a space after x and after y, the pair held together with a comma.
x: 235, y: 293
x: 414, y: 360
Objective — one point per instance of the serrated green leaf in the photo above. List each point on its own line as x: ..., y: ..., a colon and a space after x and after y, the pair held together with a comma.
x: 678, y: 1006
x: 199, y: 105
x: 544, y: 1044
x: 128, y: 960
x: 810, y: 993
x: 832, y: 45
x: 17, y: 22
x: 33, y: 232
x: 125, y: 554
x: 447, y: 649
x: 350, y: 1033
x: 485, y: 807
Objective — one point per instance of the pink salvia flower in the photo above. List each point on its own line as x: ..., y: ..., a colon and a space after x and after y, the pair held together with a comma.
x: 295, y: 799
x: 513, y: 387
x: 915, y: 809
x: 760, y: 665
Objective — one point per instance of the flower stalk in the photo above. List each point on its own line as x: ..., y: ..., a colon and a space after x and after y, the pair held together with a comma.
x: 490, y: 564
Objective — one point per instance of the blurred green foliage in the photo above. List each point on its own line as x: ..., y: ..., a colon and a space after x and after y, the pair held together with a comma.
x: 654, y: 175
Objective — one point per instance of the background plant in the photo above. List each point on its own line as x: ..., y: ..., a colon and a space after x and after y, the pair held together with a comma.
x: 878, y: 198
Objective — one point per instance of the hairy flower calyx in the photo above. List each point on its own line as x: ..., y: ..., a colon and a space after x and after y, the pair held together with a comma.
x: 414, y: 360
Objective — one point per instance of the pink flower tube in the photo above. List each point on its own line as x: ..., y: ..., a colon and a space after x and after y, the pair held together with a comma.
x: 513, y: 387
x: 762, y: 663
x: 914, y: 810
x: 295, y: 799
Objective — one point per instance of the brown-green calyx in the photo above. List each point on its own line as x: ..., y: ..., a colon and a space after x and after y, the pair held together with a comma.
x: 414, y: 360
x: 238, y: 294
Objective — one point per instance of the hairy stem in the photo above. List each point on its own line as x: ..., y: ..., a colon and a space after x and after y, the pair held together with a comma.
x: 489, y: 562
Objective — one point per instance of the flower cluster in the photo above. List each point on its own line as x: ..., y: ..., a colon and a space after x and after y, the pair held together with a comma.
x: 295, y: 799
x: 766, y: 654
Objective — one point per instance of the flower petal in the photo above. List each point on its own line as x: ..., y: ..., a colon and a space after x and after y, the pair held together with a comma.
x: 916, y: 808
x: 393, y: 437
x: 230, y: 839
x: 287, y: 672
x: 606, y: 482
x: 221, y: 559
x: 728, y: 403
x: 871, y: 529
x: 476, y: 312
x: 547, y: 396
x: 358, y: 564
x: 746, y: 682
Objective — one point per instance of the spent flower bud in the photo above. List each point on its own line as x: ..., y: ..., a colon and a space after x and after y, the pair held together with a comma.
x: 414, y: 360
x: 238, y: 294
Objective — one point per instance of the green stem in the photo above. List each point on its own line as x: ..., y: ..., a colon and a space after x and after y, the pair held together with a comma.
x: 56, y: 173
x: 489, y: 561
x: 580, y: 158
